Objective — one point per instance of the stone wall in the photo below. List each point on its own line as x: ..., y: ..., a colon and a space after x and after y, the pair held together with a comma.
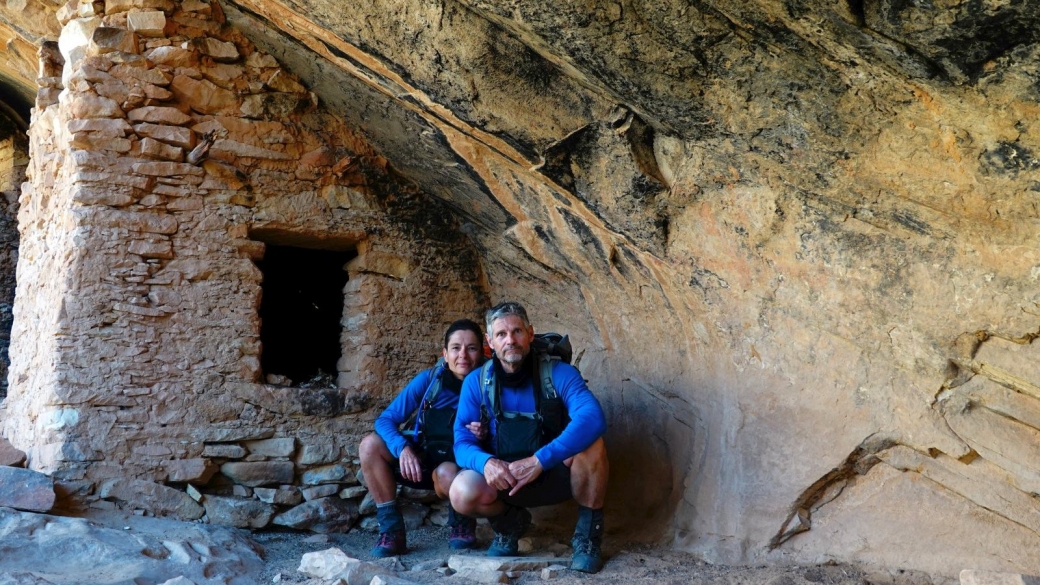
x: 166, y: 153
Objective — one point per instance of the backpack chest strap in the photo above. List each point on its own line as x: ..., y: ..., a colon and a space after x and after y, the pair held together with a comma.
x: 491, y: 387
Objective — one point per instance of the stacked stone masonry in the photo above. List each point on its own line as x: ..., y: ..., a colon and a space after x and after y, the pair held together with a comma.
x: 166, y: 153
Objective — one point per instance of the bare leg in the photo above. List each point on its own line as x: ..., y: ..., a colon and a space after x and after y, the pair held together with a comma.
x: 376, y: 462
x: 472, y: 496
x: 589, y: 473
x: 443, y: 476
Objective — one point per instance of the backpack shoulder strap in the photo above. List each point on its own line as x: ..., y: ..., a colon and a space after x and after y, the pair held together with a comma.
x: 545, y: 368
x: 435, y: 384
x: 431, y: 393
x: 489, y: 387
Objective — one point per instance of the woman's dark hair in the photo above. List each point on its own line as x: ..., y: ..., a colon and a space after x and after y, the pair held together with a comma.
x: 463, y: 325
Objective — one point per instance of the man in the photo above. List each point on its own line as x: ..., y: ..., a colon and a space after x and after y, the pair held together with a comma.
x: 424, y: 459
x: 545, y: 446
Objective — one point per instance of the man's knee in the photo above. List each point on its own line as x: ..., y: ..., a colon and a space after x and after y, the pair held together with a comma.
x: 469, y: 490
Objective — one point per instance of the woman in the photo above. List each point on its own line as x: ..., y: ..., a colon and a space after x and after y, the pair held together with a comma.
x: 421, y: 455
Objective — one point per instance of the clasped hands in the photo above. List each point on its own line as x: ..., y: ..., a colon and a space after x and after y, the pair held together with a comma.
x: 512, y: 476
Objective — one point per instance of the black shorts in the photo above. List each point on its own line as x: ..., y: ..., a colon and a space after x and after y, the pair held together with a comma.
x: 426, y: 483
x: 552, y: 487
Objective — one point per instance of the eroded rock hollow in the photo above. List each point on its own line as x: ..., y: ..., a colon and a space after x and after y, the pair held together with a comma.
x: 794, y: 244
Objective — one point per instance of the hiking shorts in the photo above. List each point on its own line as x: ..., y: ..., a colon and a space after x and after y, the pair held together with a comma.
x: 552, y: 487
x: 426, y: 483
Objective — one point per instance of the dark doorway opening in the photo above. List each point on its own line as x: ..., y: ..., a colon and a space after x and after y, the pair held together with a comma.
x: 300, y: 312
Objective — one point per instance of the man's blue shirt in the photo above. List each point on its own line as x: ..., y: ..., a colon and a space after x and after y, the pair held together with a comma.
x: 587, y: 422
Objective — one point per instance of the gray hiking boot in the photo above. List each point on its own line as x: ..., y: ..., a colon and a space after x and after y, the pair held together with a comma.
x: 509, y: 527
x: 588, y: 535
x: 587, y: 558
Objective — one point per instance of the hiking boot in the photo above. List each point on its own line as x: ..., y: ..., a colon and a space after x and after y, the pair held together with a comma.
x: 463, y: 535
x: 586, y: 557
x: 509, y: 527
x: 390, y: 544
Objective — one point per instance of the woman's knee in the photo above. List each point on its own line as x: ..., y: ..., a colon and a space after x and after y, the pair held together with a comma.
x: 371, y: 447
x: 443, y: 476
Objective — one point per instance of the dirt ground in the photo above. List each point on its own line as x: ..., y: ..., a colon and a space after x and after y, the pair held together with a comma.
x: 635, y: 563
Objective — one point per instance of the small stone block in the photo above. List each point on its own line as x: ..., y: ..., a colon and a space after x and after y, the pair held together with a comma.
x: 319, y: 491
x: 110, y: 39
x: 279, y: 447
x: 552, y: 571
x: 500, y: 564
x: 223, y: 451
x: 353, y: 492
x: 481, y: 576
x: 149, y: 23
x: 289, y: 496
x: 428, y: 565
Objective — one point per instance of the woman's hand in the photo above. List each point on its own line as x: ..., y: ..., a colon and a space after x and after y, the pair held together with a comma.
x: 478, y: 429
x: 411, y: 465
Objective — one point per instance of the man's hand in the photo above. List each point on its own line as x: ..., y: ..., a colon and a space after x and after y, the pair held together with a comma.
x: 479, y: 431
x: 411, y: 466
x: 525, y: 471
x: 497, y: 474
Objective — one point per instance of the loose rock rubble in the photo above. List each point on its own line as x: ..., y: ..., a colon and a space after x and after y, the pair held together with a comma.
x: 113, y: 547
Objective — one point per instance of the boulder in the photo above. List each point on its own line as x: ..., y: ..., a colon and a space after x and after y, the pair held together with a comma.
x: 24, y: 489
x: 10, y: 456
x: 157, y: 498
x: 325, y: 515
x: 238, y: 512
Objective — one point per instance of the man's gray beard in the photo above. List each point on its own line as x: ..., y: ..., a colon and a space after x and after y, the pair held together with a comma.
x: 513, y: 357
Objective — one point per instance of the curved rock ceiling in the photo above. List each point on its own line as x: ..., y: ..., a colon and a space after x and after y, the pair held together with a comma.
x: 796, y: 240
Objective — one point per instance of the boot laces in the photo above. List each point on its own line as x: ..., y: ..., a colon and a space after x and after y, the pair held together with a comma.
x: 460, y: 531
x: 504, y: 541
x: 585, y: 546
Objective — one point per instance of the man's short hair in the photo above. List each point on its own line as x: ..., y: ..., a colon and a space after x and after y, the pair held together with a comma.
x: 504, y: 309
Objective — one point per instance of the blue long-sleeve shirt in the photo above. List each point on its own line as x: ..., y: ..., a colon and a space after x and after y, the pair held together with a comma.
x: 587, y: 422
x: 407, y: 402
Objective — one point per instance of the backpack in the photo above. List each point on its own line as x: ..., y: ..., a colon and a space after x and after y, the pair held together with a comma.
x: 437, y: 446
x: 551, y: 417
